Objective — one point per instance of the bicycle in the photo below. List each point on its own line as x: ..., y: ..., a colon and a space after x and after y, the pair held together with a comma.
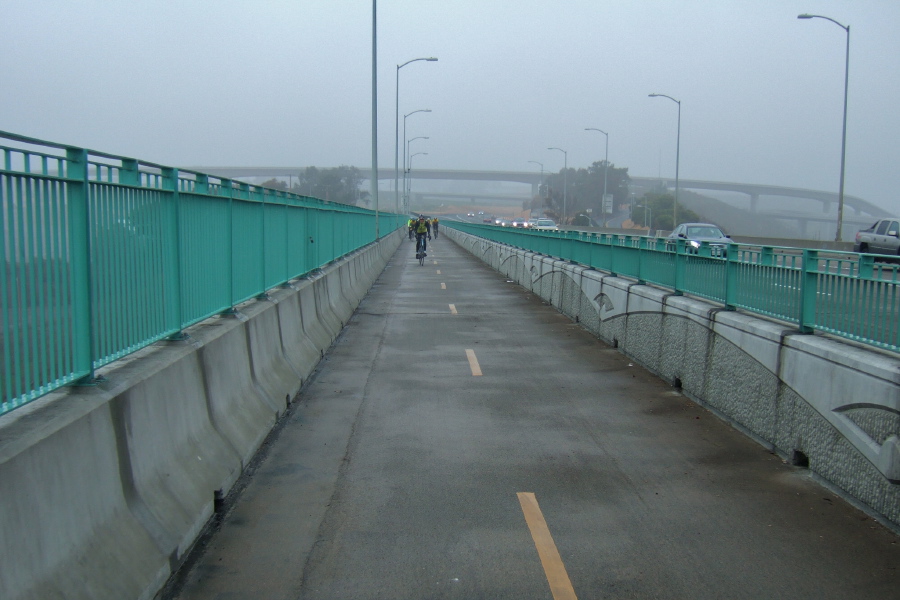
x: 420, y: 248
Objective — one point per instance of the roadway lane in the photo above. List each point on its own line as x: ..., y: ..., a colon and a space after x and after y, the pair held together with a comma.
x: 407, y: 467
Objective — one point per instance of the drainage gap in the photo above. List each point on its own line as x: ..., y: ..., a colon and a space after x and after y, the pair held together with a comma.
x: 677, y: 383
x: 799, y: 459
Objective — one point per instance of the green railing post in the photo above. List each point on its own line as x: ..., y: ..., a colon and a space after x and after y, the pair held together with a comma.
x: 866, y: 266
x: 680, y: 260
x: 808, y: 291
x: 731, y: 276
x: 79, y: 217
x: 129, y: 173
x: 172, y: 255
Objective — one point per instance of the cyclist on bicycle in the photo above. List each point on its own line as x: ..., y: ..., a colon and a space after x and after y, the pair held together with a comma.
x: 434, y: 226
x: 412, y: 228
x: 423, y: 229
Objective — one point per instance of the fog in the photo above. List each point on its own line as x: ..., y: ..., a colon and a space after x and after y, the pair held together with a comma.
x: 288, y: 83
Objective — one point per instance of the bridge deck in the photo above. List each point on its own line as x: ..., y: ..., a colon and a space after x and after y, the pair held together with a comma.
x: 397, y: 473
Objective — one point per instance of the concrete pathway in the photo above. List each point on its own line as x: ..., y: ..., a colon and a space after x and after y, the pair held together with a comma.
x: 464, y: 440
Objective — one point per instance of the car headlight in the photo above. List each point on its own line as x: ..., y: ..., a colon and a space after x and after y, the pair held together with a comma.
x: 694, y: 243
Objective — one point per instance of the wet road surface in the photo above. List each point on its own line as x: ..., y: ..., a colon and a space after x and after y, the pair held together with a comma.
x: 464, y: 440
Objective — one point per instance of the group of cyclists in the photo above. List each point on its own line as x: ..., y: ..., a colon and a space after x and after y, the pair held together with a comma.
x: 421, y: 229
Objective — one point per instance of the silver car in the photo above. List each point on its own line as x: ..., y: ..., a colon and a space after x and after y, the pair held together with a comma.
x: 881, y: 238
x: 695, y: 234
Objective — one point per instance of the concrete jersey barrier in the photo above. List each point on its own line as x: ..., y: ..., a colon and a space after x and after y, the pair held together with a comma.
x: 809, y: 398
x: 106, y: 488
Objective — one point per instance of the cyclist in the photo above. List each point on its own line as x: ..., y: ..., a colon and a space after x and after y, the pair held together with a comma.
x: 434, y: 226
x: 423, y: 229
x: 412, y: 227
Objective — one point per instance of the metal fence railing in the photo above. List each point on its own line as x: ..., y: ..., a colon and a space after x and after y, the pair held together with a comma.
x: 845, y: 294
x: 103, y: 255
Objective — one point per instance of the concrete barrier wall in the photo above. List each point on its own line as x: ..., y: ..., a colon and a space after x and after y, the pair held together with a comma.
x: 806, y: 397
x: 105, y: 488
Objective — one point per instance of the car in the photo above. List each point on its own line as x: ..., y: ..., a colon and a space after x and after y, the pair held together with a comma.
x: 487, y: 219
x: 480, y: 212
x: 881, y: 238
x: 695, y: 234
x: 545, y: 225
x: 470, y: 214
x: 501, y: 222
x: 519, y: 223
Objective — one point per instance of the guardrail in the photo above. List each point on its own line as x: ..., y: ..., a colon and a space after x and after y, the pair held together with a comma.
x: 845, y: 294
x: 104, y: 255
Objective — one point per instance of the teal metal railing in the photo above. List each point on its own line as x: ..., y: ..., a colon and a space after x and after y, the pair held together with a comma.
x: 845, y: 294
x: 104, y: 255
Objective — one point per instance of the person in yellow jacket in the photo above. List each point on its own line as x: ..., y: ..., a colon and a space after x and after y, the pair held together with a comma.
x: 412, y: 226
x: 423, y: 229
x: 434, y: 226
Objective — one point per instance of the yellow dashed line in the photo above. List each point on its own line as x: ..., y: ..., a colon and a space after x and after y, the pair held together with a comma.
x: 473, y: 363
x: 554, y: 569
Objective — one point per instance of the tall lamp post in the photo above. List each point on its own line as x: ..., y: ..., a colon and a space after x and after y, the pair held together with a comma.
x: 405, y: 154
x: 565, y: 179
x: 677, y: 156
x: 406, y: 166
x: 408, y: 169
x: 840, y: 217
x: 605, y: 168
x: 397, y: 131
x: 541, y: 165
x: 646, y: 209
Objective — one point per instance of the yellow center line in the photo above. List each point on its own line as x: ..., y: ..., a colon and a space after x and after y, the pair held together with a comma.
x: 560, y: 585
x: 453, y: 309
x: 443, y: 286
x: 473, y: 363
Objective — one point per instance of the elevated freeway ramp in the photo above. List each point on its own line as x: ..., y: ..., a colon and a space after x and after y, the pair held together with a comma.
x: 462, y: 439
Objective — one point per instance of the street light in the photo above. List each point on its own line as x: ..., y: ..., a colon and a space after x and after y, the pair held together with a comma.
x: 427, y: 110
x: 646, y: 208
x: 677, y: 156
x: 397, y: 131
x: 605, y: 168
x: 408, y: 169
x: 541, y: 165
x: 565, y: 179
x: 840, y: 218
x: 405, y: 166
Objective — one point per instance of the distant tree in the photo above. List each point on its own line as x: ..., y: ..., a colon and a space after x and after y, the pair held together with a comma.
x: 340, y: 184
x: 585, y: 188
x: 275, y: 184
x: 660, y: 214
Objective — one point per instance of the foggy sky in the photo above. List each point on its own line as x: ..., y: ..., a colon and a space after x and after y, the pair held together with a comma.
x: 288, y: 82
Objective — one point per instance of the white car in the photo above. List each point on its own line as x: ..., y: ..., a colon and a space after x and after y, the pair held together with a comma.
x: 545, y: 225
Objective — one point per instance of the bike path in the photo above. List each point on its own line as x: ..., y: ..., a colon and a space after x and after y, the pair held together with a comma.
x: 464, y: 440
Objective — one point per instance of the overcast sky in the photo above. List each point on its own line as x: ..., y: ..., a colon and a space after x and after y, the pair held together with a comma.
x: 279, y: 82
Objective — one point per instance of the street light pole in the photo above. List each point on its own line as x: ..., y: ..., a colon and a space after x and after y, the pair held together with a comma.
x: 605, y: 168
x: 409, y: 168
x: 374, y: 183
x: 840, y: 217
x: 405, y: 153
x: 565, y: 179
x: 541, y: 165
x: 397, y: 131
x: 677, y: 156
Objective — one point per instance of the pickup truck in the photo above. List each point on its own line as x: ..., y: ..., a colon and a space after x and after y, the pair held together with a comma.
x: 881, y: 238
